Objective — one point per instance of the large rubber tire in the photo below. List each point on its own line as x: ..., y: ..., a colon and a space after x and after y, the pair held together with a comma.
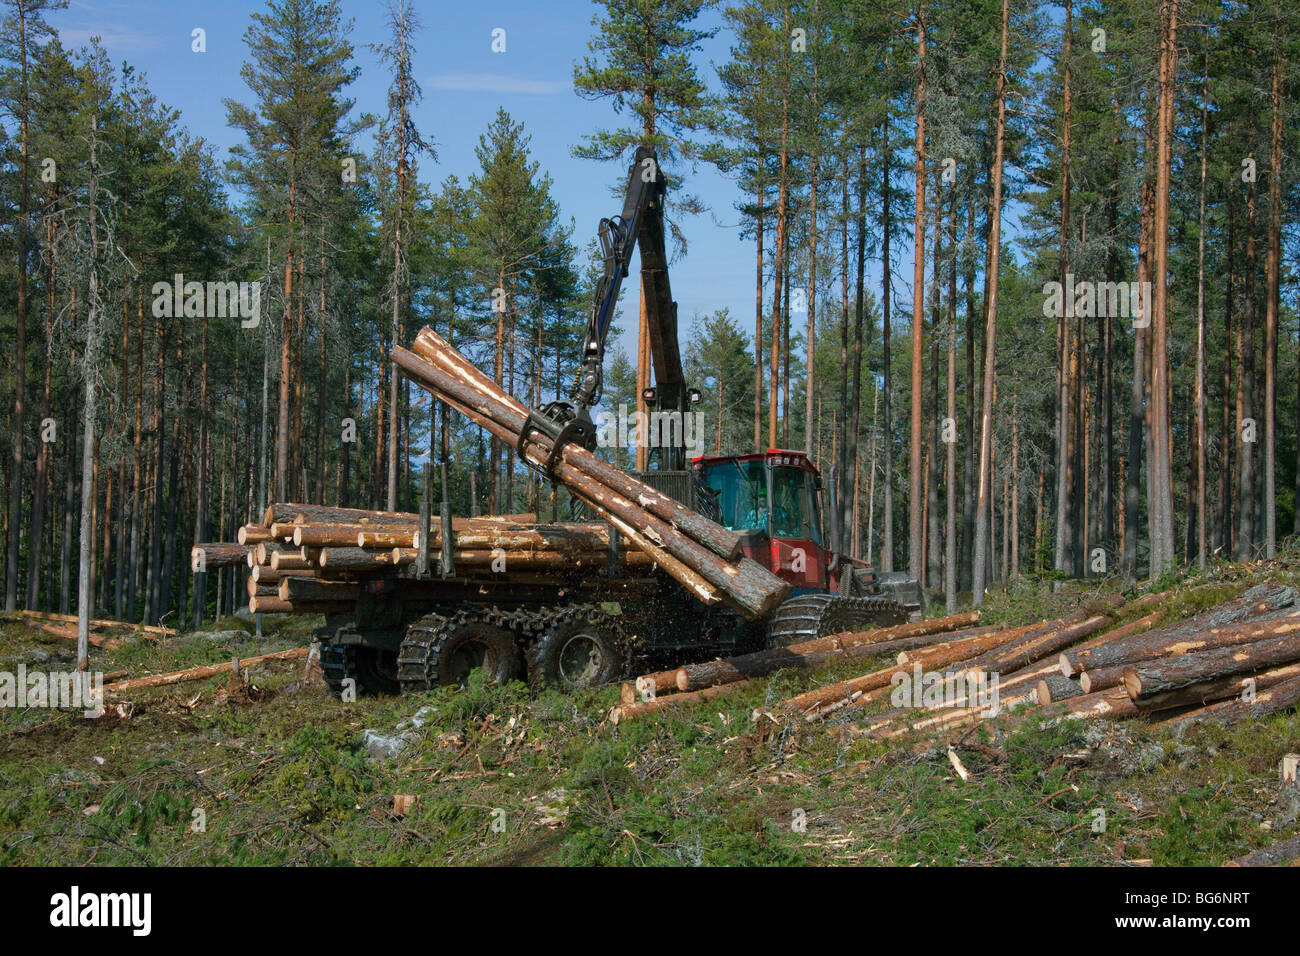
x: 575, y: 655
x: 374, y: 671
x: 440, y: 651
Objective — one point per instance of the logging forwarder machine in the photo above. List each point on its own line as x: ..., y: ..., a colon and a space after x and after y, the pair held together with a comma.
x: 581, y: 629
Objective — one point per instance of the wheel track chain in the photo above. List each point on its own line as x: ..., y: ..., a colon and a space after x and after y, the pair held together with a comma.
x: 810, y: 616
x: 418, y: 658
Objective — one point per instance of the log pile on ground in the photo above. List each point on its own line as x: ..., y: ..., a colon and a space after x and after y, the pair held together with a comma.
x: 314, y: 559
x: 1236, y: 661
x: 654, y: 692
x: 1239, y: 660
x: 701, y: 555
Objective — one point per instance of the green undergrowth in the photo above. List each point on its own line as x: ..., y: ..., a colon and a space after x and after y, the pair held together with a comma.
x: 277, y: 773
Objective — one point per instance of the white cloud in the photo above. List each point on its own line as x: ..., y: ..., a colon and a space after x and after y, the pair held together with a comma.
x: 498, y: 83
x: 117, y: 40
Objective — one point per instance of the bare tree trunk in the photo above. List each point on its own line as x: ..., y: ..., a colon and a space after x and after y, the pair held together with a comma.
x: 990, y: 326
x: 1272, y: 302
x: 950, y: 447
x: 1246, y: 395
x: 1066, y: 350
x: 782, y: 239
x: 811, y: 340
x: 19, y: 353
x: 1199, y: 465
x: 1162, y: 506
x: 89, y: 372
x: 855, y: 400
x: 916, y: 531
x: 887, y: 302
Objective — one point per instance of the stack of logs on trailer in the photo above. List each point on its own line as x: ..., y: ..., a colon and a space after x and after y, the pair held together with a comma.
x: 313, y: 559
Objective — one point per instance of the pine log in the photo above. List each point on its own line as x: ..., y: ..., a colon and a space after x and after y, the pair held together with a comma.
x: 1057, y: 687
x: 69, y: 633
x: 1157, y: 676
x: 1069, y: 665
x: 212, y: 555
x: 253, y: 534
x: 966, y: 646
x: 564, y: 538
x: 1274, y: 700
x: 1039, y: 644
x: 434, y: 349
x: 747, y: 586
x: 663, y: 682
x: 201, y: 672
x: 1284, y: 852
x: 357, y: 559
x: 265, y: 574
x: 679, y: 555
x: 276, y: 605
x: 291, y: 561
x: 639, y: 708
x: 1112, y: 704
x: 98, y: 623
x: 952, y: 718
x: 340, y: 535
x: 1160, y: 644
x: 1205, y: 692
x: 804, y: 654
x: 255, y: 589
x: 922, y: 628
x: 265, y: 549
x: 294, y: 512
x: 1101, y: 678
x: 298, y: 590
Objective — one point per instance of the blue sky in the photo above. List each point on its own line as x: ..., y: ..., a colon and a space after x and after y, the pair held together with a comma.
x: 463, y: 82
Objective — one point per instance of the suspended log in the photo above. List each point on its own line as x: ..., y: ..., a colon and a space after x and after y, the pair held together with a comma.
x: 1155, y: 677
x: 1274, y: 700
x: 434, y: 349
x: 201, y: 672
x: 212, y: 555
x: 662, y: 542
x: 746, y: 585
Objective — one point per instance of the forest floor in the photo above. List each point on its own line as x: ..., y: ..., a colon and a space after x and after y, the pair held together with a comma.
x: 278, y: 771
